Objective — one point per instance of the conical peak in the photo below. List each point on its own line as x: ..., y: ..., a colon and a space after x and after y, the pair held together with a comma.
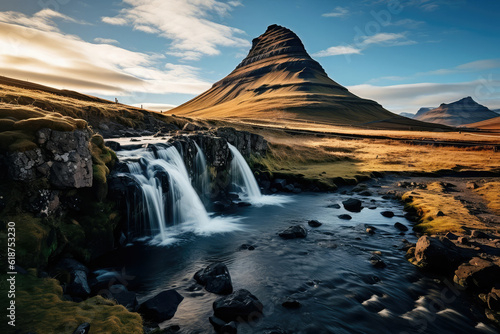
x: 276, y: 41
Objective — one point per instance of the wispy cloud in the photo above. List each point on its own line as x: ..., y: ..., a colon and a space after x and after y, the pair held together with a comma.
x: 42, y: 20
x: 337, y: 12
x: 106, y: 40
x: 425, y: 5
x: 381, y: 39
x: 411, y: 97
x: 475, y: 66
x: 188, y: 23
x: 407, y: 23
x: 41, y: 53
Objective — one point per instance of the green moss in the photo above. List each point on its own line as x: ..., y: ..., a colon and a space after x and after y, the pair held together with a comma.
x: 40, y: 309
x: 22, y: 146
x: 103, y: 159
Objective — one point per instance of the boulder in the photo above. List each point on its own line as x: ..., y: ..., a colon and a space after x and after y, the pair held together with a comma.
x: 74, y: 276
x: 479, y: 235
x: 229, y: 328
x: 345, y: 217
x: 295, y: 231
x: 215, y: 278
x: 387, y: 214
x: 279, y: 184
x: 120, y: 294
x: 161, y: 307
x: 477, y: 274
x: 352, y: 204
x: 291, y: 303
x: 239, y: 306
x: 437, y: 254
x: 377, y: 262
x: 370, y: 230
x: 401, y: 227
x: 314, y: 223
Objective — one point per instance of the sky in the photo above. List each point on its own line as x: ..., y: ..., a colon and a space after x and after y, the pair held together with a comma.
x: 161, y: 53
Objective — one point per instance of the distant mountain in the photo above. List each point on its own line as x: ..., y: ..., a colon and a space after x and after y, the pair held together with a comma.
x: 497, y: 111
x: 407, y: 114
x: 458, y: 113
x: 279, y: 81
x: 422, y: 111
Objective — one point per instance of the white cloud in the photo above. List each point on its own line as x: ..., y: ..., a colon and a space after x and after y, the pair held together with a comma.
x: 47, y: 56
x: 382, y: 39
x: 475, y: 66
x: 188, y: 23
x: 338, y: 12
x: 42, y: 20
x: 411, y: 97
x: 106, y: 40
x: 338, y: 50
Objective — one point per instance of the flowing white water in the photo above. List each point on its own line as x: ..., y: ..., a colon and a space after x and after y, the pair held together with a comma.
x: 202, y: 177
x: 242, y: 175
x: 166, y: 214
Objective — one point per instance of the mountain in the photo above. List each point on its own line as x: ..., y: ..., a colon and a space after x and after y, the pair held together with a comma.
x: 279, y: 81
x: 496, y: 110
x: 407, y: 114
x: 464, y: 111
x: 489, y: 124
x: 422, y: 111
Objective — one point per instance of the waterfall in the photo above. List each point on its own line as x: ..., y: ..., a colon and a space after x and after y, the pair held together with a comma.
x: 202, y: 177
x: 242, y: 175
x: 184, y: 205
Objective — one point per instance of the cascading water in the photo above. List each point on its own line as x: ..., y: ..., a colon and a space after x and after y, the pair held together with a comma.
x: 202, y: 177
x: 161, y: 213
x: 242, y: 175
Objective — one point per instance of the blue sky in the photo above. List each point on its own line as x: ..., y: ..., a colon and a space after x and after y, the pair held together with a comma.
x: 403, y: 54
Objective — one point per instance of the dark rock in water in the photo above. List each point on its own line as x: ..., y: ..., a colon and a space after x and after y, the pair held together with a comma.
x: 233, y: 196
x: 274, y: 331
x: 217, y: 323
x: 296, y: 231
x: 479, y: 235
x: 215, y: 278
x: 451, y: 236
x: 220, y: 206
x: 82, y: 329
x: 122, y: 296
x: 291, y: 303
x: 114, y: 145
x: 289, y: 187
x: 352, y: 204
x: 365, y: 193
x: 401, y: 227
x: 377, y: 262
x: 334, y: 206
x: 238, y: 306
x: 244, y: 204
x: 229, y: 328
x: 279, y: 184
x: 171, y: 329
x: 161, y: 307
x: 247, y: 247
x: 477, y: 274
x: 296, y: 190
x: 437, y: 254
x: 388, y: 214
x: 314, y: 223
x: 345, y: 217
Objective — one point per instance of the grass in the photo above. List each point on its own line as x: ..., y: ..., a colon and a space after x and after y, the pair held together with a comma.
x: 491, y: 194
x: 40, y: 309
x: 426, y: 203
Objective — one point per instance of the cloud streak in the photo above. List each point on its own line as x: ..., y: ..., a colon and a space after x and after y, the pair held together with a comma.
x: 39, y: 52
x: 187, y: 23
x: 338, y: 12
x: 380, y: 39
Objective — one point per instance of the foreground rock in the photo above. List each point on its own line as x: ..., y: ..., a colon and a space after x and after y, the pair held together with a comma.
x: 215, y: 278
x: 352, y: 204
x: 82, y: 329
x: 437, y: 254
x: 161, y: 307
x: 478, y: 274
x: 296, y: 231
x: 240, y: 306
x: 314, y: 223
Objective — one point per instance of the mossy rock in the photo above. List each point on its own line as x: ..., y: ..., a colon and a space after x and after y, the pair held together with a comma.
x: 16, y: 140
x: 20, y: 113
x: 35, y: 124
x: 6, y: 124
x: 40, y: 309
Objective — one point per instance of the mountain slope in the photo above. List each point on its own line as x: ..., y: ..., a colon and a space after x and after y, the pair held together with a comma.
x: 278, y: 80
x: 489, y: 124
x: 464, y: 111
